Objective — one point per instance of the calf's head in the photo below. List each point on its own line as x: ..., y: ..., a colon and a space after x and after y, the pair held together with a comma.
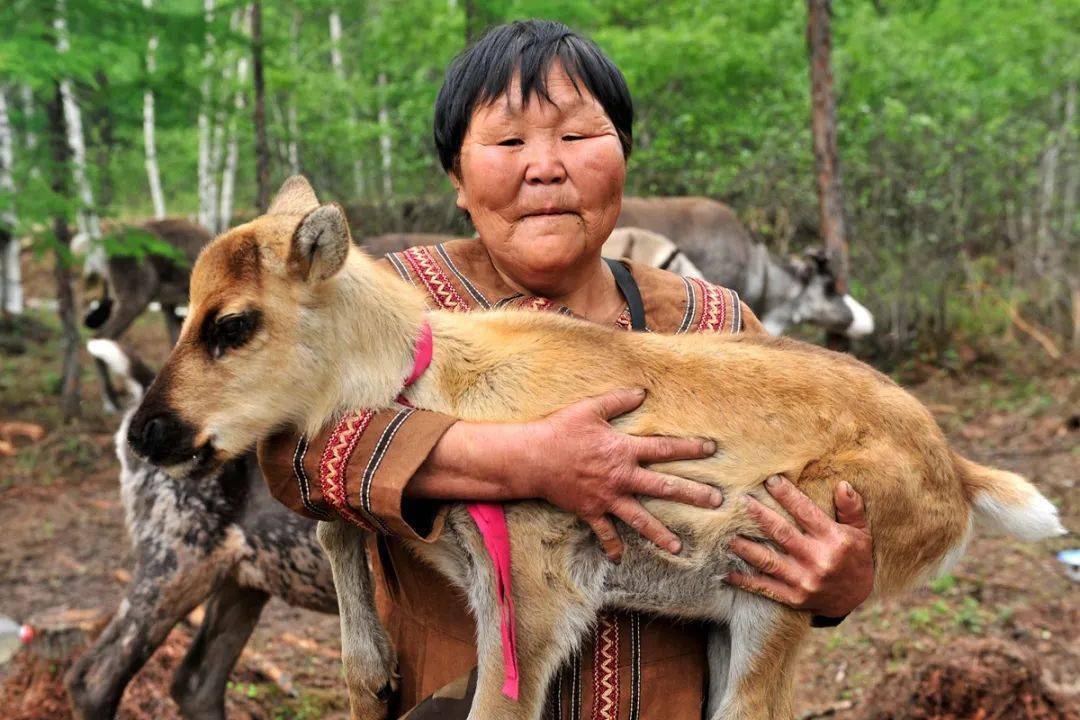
x: 813, y: 298
x: 244, y: 359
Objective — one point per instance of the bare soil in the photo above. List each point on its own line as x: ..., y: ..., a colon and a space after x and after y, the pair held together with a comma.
x: 997, y: 638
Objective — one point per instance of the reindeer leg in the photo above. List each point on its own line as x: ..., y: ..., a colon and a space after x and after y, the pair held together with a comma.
x: 198, y: 686
x: 158, y: 598
x: 132, y: 297
x: 751, y: 661
x: 366, y: 653
x: 548, y: 628
x: 172, y: 322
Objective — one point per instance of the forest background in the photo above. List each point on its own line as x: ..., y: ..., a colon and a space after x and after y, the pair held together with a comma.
x: 956, y: 131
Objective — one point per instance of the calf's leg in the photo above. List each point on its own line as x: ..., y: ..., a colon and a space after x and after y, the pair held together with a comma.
x: 154, y: 603
x: 198, y: 686
x: 366, y: 654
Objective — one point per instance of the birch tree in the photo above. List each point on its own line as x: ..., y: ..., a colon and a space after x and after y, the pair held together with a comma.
x: 153, y: 175
x: 207, y: 185
x: 385, y: 143
x: 292, y: 123
x: 262, y: 145
x: 60, y: 145
x: 86, y: 219
x: 223, y: 216
x: 339, y: 70
x: 11, y: 300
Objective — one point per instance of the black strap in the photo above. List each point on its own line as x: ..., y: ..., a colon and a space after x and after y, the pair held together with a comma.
x: 629, y: 289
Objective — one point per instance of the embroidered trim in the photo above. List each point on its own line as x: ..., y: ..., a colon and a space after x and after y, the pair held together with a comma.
x: 691, y: 307
x: 606, y: 669
x: 736, y: 312
x: 438, y: 285
x: 376, y: 459
x: 401, y: 269
x: 555, y: 697
x: 713, y: 312
x: 299, y: 455
x: 465, y: 282
x: 335, y: 462
x: 575, y: 687
x: 635, y: 666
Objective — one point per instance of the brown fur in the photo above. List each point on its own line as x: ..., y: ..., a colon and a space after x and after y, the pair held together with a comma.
x: 771, y: 405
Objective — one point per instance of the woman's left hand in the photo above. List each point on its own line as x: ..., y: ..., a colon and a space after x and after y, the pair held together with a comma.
x: 823, y: 566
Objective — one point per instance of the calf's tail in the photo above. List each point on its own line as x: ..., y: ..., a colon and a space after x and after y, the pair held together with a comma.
x: 1008, y: 502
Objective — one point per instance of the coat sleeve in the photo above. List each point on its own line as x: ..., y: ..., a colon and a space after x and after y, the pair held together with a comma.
x: 358, y: 468
x: 750, y: 322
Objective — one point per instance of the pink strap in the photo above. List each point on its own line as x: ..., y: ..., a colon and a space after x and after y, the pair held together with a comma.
x: 491, y: 519
x: 421, y: 355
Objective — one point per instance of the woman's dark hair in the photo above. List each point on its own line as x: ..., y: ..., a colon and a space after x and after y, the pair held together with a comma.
x: 484, y: 72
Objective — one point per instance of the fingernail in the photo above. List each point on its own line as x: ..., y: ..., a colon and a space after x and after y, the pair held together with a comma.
x: 640, y: 392
x: 674, y: 547
x: 708, y: 447
x: 845, y: 486
x: 717, y: 498
x: 773, y: 481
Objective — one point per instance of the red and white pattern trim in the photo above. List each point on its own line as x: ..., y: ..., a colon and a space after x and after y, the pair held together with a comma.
x: 606, y: 669
x: 713, y: 307
x: 439, y: 287
x: 335, y: 461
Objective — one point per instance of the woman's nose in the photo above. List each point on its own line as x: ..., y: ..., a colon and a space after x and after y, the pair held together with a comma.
x: 545, y: 167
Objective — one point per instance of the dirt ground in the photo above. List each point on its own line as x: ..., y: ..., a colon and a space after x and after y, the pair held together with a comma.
x: 64, y: 546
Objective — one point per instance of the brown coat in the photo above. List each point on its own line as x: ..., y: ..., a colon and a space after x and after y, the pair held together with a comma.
x: 662, y: 671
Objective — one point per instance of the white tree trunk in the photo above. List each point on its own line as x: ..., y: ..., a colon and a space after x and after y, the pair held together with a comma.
x: 87, y: 220
x: 11, y: 299
x: 207, y: 185
x: 241, y: 22
x: 232, y: 153
x: 153, y: 175
x: 292, y: 123
x: 338, y: 66
x: 385, y: 144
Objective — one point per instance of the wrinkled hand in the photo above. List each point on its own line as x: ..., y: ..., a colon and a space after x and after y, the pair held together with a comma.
x: 580, y: 464
x: 823, y: 566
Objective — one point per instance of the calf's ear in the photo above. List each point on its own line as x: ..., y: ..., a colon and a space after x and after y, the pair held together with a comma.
x: 320, y: 244
x: 295, y: 197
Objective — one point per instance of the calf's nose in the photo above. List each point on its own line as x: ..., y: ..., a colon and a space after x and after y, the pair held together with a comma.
x: 149, y: 438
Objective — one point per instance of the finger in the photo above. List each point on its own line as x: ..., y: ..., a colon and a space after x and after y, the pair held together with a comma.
x: 634, y: 514
x: 777, y: 528
x: 616, y: 402
x: 608, y: 536
x: 765, y: 586
x: 671, y: 487
x: 850, y: 509
x: 656, y: 448
x: 766, y: 560
x: 809, y: 516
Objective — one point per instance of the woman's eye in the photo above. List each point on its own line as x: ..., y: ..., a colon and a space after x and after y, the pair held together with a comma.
x: 511, y: 142
x: 571, y: 138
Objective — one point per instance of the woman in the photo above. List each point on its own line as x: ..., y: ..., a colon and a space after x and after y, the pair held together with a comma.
x: 533, y: 127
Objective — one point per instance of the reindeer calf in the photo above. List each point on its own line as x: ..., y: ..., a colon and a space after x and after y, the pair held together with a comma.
x: 292, y: 325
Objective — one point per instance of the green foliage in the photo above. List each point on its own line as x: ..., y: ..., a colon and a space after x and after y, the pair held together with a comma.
x: 947, y: 111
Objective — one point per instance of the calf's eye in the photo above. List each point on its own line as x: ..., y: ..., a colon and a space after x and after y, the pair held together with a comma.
x: 231, y: 331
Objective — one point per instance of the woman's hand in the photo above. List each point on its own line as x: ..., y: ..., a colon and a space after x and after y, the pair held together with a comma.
x: 824, y: 566
x: 576, y: 461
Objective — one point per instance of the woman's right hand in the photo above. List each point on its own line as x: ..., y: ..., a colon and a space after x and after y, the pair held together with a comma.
x: 576, y: 461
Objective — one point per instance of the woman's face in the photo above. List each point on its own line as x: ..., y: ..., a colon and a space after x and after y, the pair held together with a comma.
x: 542, y: 182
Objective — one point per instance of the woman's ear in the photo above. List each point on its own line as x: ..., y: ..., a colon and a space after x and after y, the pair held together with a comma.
x: 459, y: 188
